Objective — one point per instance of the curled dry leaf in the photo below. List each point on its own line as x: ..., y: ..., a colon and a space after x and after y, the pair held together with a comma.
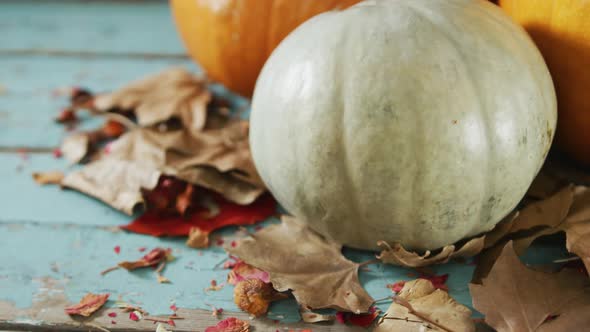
x: 153, y: 258
x: 241, y: 271
x: 254, y: 296
x: 88, y: 305
x: 421, y: 307
x: 173, y: 93
x: 397, y: 255
x: 230, y: 324
x: 52, y: 177
x: 516, y: 298
x: 311, y: 266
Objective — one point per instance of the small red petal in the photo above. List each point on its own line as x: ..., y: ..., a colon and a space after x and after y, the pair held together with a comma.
x: 133, y: 316
x: 112, y: 314
x: 113, y: 322
x: 171, y: 323
x: 57, y: 153
x: 141, y: 249
x: 173, y: 307
x: 233, y: 244
x: 117, y: 249
x: 219, y: 242
x: 397, y: 287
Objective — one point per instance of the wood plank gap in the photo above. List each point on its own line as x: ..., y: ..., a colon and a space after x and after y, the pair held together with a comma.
x: 91, y: 54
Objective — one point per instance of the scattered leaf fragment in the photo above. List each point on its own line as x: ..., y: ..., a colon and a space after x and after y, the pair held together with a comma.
x: 52, y: 177
x: 230, y: 324
x: 135, y: 315
x: 421, y: 307
x: 89, y: 304
x: 312, y: 317
x: 300, y: 260
x: 516, y: 298
x: 153, y: 258
x: 254, y: 296
x: 112, y: 314
x: 197, y: 238
x: 396, y: 254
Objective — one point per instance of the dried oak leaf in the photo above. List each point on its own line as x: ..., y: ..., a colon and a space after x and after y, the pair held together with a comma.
x: 516, y: 298
x: 230, y: 324
x: 153, y: 258
x: 242, y: 271
x: 312, y: 267
x: 88, y: 305
x: 420, y: 307
x: 254, y: 296
x: 173, y: 93
x: 156, y: 224
x: 52, y: 177
x: 396, y: 254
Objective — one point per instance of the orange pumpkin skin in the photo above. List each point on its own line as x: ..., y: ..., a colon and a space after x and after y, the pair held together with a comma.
x: 231, y: 39
x: 561, y: 30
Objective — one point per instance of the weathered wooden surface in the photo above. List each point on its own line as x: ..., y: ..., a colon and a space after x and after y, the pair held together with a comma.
x: 54, y: 243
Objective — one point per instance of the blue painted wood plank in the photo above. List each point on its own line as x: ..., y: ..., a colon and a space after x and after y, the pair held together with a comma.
x: 28, y: 106
x: 102, y: 26
x: 74, y: 256
x: 22, y: 200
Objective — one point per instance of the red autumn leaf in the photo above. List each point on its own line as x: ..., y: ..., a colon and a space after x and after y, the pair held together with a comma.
x: 88, y: 305
x: 362, y: 320
x: 157, y: 224
x: 242, y: 271
x: 152, y: 258
x: 437, y: 281
x: 230, y: 324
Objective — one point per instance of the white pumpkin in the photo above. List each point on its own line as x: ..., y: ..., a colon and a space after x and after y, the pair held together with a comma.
x: 421, y: 122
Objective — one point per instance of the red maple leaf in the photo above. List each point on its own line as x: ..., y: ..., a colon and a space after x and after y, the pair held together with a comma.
x: 158, y: 223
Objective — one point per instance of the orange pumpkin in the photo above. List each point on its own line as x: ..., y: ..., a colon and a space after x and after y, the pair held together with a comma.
x: 561, y: 29
x: 231, y: 39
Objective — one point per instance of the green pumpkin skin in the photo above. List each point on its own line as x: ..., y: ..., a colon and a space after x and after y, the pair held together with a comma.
x: 420, y: 122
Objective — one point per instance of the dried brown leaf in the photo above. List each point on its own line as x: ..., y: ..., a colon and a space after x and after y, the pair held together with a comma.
x: 197, y: 238
x: 398, y: 255
x: 52, y: 177
x: 75, y: 147
x: 115, y: 182
x: 312, y: 267
x: 254, y: 296
x: 157, y: 98
x: 516, y: 298
x: 88, y: 305
x: 421, y: 307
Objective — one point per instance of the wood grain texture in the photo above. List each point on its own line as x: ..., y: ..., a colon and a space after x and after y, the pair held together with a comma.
x: 109, y: 26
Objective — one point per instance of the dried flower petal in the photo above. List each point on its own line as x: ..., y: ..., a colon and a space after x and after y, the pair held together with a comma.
x: 230, y: 324
x: 152, y: 258
x: 89, y: 304
x: 254, y: 296
x: 242, y: 271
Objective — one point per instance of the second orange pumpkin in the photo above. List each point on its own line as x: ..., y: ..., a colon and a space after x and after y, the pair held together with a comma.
x: 231, y: 39
x: 561, y: 30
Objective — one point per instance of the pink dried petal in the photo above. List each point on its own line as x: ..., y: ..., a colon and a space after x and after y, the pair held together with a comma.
x: 117, y: 249
x: 112, y: 314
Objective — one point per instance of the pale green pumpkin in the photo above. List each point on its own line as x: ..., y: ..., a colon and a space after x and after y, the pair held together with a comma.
x: 421, y: 122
